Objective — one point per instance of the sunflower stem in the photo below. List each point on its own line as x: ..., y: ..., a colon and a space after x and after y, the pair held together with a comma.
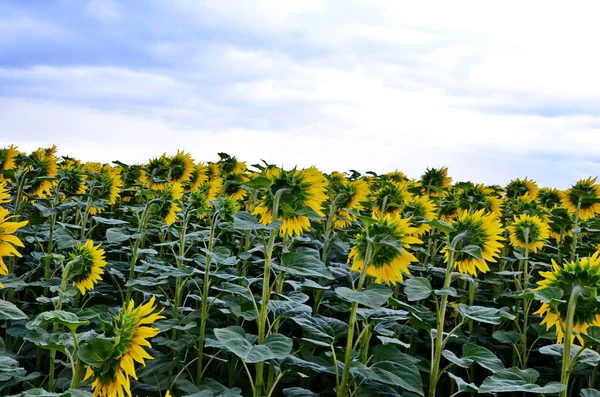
x: 440, y: 317
x: 266, y: 291
x: 568, y: 336
x: 576, y: 235
x: 342, y: 387
x: 325, y: 249
x: 136, y: 245
x: 526, y: 302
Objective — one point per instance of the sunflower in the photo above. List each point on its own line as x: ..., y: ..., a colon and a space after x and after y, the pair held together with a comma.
x: 533, y: 227
x: 395, y: 176
x: 107, y: 185
x: 390, y: 198
x: 420, y: 209
x: 483, y: 231
x: 42, y: 168
x: 549, y: 197
x: 168, y: 207
x: 525, y: 188
x: 199, y: 177
x: 585, y: 195
x: 437, y: 179
x: 583, y: 272
x: 389, y: 260
x: 74, y: 178
x: 233, y: 173
x: 155, y: 174
x: 473, y: 198
x: 305, y: 190
x: 86, y: 267
x: 448, y: 207
x: 7, y: 159
x: 131, y: 334
x: 4, y: 193
x: 351, y: 196
x: 8, y: 241
x: 181, y: 166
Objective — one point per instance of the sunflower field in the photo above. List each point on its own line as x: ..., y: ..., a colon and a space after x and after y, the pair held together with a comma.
x: 183, y: 278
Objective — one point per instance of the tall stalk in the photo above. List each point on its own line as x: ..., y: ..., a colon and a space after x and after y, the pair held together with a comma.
x: 568, y: 335
x: 142, y: 220
x: 342, y: 387
x: 576, y: 235
x: 436, y: 353
x: 266, y: 292
x: 325, y: 250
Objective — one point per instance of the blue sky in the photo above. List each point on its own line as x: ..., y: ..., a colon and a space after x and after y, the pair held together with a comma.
x: 494, y: 92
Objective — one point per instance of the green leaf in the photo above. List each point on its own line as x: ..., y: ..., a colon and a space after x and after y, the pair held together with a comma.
x: 258, y: 182
x: 116, y: 235
x: 69, y: 320
x: 8, y: 311
x: 474, y: 251
x: 461, y: 384
x: 321, y: 327
x: 482, y: 314
x: 454, y: 359
x: 589, y: 393
x: 417, y: 288
x: 107, y: 221
x: 482, y: 356
x: 450, y: 291
x: 304, y: 262
x: 376, y: 295
x: 518, y: 380
x: 275, y: 346
x: 96, y: 351
x: 298, y: 392
x: 592, y: 336
x: 245, y: 221
x: 588, y: 356
x: 443, y: 226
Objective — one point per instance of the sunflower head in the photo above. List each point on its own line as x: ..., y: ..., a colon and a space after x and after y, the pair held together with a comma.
x: 529, y: 232
x: 168, y: 202
x: 181, y: 166
x: 435, y: 178
x: 390, y: 238
x: 582, y: 199
x: 8, y: 241
x: 479, y: 230
x: 73, y: 177
x: 227, y: 208
x: 130, y: 332
x: 86, y: 268
x: 303, y: 191
x: 549, y: 197
x: 525, y: 188
x: 105, y: 185
x: 349, y: 196
x: 395, y: 176
x: 478, y: 197
x: 337, y: 181
x: 420, y: 209
x: 234, y: 174
x: 198, y: 178
x: 583, y: 273
x: 42, y: 169
x: 390, y: 198
x: 155, y: 174
x: 7, y: 159
x: 448, y: 207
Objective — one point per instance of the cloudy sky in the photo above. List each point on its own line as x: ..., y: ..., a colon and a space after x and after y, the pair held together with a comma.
x: 493, y: 90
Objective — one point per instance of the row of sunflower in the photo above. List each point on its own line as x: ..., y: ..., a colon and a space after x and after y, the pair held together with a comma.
x: 214, y: 279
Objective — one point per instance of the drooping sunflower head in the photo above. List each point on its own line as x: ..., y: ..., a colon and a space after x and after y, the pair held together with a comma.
x: 337, y: 181
x: 234, y: 174
x: 448, y: 207
x: 168, y: 203
x: 4, y: 193
x: 390, y: 238
x: 227, y: 208
x: 130, y: 330
x: 131, y: 176
x: 156, y: 173
x: 583, y: 196
x: 584, y: 273
x: 420, y: 209
x: 8, y: 240
x: 105, y: 185
x: 349, y: 196
x: 303, y: 191
x: 529, y: 232
x: 525, y: 188
x: 390, y: 198
x: 395, y: 176
x: 73, y: 177
x: 199, y: 177
x: 7, y: 159
x: 525, y: 206
x: 86, y: 268
x: 481, y: 230
x: 549, y: 197
x: 41, y: 165
x: 436, y: 179
x: 473, y: 198
x: 181, y: 166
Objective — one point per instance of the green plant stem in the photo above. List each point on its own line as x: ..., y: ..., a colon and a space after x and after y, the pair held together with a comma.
x: 136, y: 245
x: 342, y: 387
x: 266, y: 292
x: 576, y: 235
x: 568, y: 335
x: 325, y: 250
x: 205, y: 295
x: 441, y: 315
x: 84, y: 219
x: 63, y: 288
x: 526, y: 304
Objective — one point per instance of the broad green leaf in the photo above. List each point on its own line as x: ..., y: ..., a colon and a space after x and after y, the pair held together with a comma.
x: 304, y: 262
x: 275, y: 346
x: 482, y: 314
x: 518, y: 380
x: 107, y: 221
x: 117, y: 235
x: 298, y: 392
x: 589, y: 393
x: 454, y: 359
x: 591, y: 336
x: 322, y: 327
x: 443, y: 226
x: 376, y: 295
x: 417, y: 288
x: 96, y: 351
x: 588, y: 356
x: 461, y: 384
x: 69, y: 320
x: 473, y: 250
x: 482, y: 356
x: 8, y: 311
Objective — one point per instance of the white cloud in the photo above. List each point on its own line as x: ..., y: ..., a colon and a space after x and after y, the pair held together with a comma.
x: 106, y: 11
